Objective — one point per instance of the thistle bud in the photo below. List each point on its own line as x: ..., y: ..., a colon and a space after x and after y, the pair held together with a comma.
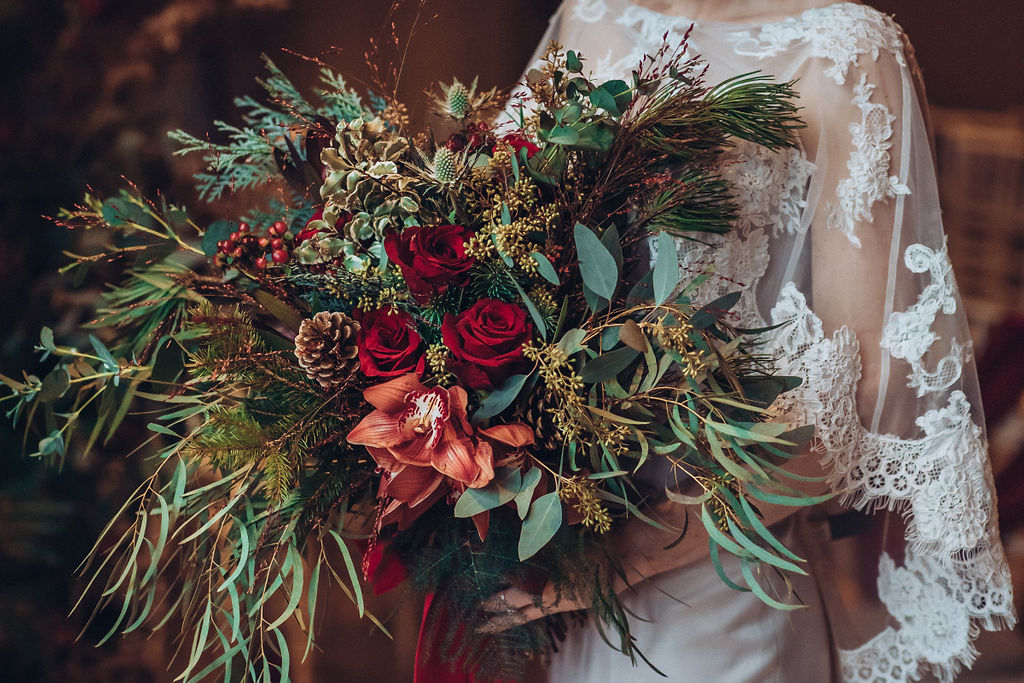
x: 458, y: 101
x: 445, y: 170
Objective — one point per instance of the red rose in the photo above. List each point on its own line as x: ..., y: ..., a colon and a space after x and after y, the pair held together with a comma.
x: 487, y: 342
x: 308, y: 232
x: 389, y: 344
x: 431, y: 258
x: 517, y: 141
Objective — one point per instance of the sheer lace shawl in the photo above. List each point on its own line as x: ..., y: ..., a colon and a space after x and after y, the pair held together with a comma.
x: 842, y: 238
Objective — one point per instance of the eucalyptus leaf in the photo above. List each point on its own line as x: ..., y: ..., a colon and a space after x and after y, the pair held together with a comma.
x: 531, y: 308
x: 708, y: 315
x: 563, y: 135
x: 684, y: 499
x: 621, y: 91
x: 613, y: 96
x: 118, y: 211
x: 601, y: 98
x: 570, y: 113
x: 608, y: 365
x: 716, y: 562
x: 503, y: 255
x: 572, y: 341
x: 612, y: 242
x: 779, y: 499
x: 500, y: 398
x: 525, y: 495
x: 101, y: 350
x: 506, y: 484
x: 597, y: 265
x: 666, y: 268
x: 597, y: 136
x: 594, y: 302
x: 763, y: 532
x: 160, y: 429
x: 748, y: 575
x: 761, y: 553
x: 544, y: 267
x: 540, y: 525
x: 632, y: 336
x: 760, y: 433
x: 643, y: 289
x: 572, y: 62
x: 54, y: 385
x: 483, y: 160
x: 52, y: 444
x: 718, y: 536
x: 597, y: 476
x: 612, y: 417
x: 763, y: 390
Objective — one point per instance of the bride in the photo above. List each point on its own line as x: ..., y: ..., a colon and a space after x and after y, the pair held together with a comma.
x: 841, y: 239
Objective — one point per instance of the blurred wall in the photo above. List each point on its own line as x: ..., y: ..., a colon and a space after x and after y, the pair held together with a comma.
x: 971, y: 53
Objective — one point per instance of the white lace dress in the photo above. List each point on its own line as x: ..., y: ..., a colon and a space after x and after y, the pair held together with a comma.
x: 842, y: 238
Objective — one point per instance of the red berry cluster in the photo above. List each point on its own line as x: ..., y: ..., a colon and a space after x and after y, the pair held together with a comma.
x: 242, y: 248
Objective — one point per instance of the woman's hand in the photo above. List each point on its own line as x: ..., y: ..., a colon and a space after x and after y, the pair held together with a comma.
x: 514, y: 607
x: 641, y: 551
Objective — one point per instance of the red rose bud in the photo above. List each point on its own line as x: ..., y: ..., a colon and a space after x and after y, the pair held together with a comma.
x: 517, y: 141
x: 486, y: 342
x: 456, y: 143
x: 318, y: 138
x: 431, y: 258
x: 307, y: 231
x: 389, y: 344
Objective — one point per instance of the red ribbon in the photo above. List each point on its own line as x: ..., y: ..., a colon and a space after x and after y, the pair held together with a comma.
x: 429, y: 667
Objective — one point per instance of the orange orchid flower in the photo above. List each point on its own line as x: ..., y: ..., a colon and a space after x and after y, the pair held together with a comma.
x: 421, y: 435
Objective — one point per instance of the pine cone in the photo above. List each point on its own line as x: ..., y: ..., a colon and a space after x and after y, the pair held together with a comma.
x: 538, y: 415
x: 326, y: 348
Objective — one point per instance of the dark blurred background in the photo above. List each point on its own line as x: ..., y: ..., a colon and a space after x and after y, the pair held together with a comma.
x: 90, y: 88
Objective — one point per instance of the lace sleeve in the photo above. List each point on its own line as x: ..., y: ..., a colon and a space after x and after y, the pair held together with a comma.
x: 879, y: 334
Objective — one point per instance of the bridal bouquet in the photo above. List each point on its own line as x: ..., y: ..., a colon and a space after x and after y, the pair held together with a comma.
x: 446, y: 360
